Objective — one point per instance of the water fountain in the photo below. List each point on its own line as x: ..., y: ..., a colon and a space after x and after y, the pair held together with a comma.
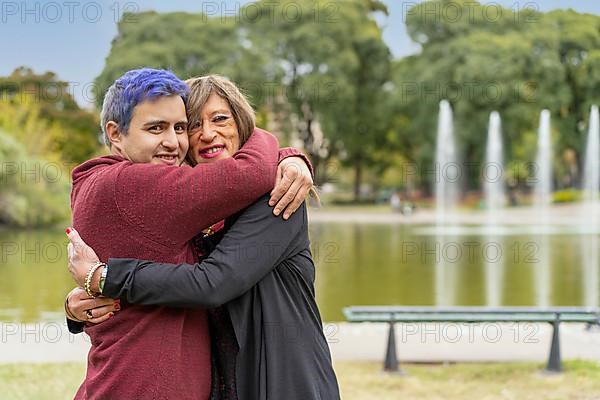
x: 543, y: 168
x: 539, y: 223
x: 493, y: 171
x: 591, y: 170
x: 494, y: 194
x: 542, y: 201
x: 446, y: 167
x: 591, y: 211
x: 447, y: 181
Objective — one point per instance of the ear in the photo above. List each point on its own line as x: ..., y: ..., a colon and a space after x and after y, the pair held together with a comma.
x: 113, y: 134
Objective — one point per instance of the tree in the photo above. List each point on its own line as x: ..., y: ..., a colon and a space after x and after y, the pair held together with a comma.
x: 504, y: 63
x: 311, y: 69
x: 332, y: 58
x: 40, y: 112
x: 188, y: 44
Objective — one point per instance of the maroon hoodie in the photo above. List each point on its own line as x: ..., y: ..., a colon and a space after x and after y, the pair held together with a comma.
x: 149, y: 211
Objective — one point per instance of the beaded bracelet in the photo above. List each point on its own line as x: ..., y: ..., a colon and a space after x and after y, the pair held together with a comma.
x: 88, y: 279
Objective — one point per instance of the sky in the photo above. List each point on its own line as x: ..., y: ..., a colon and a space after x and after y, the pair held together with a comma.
x: 73, y: 38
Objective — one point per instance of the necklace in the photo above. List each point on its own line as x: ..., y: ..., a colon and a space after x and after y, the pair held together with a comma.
x: 209, y: 231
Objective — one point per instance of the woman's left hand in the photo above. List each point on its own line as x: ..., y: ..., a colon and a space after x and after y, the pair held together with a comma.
x: 294, y: 180
x: 81, y: 257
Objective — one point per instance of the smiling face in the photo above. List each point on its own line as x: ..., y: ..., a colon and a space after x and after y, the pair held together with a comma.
x: 215, y: 136
x: 157, y: 132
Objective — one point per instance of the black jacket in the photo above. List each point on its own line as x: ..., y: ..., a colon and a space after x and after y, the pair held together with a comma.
x: 263, y: 274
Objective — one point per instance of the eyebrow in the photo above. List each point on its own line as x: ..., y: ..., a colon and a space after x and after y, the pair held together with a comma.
x: 220, y: 111
x: 162, y: 122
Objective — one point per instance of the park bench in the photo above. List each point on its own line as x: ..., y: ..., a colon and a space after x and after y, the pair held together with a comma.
x: 408, y: 314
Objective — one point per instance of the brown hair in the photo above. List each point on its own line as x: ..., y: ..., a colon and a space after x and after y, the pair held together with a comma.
x: 203, y: 87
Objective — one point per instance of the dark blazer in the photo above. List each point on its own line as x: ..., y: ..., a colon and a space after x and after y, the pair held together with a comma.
x: 263, y: 273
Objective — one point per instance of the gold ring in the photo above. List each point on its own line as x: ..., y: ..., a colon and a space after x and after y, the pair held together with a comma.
x: 89, y: 314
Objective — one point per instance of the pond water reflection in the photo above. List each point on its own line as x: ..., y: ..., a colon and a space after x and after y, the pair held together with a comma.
x: 362, y: 264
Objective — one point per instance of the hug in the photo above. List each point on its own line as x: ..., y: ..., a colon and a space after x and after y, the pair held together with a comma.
x: 190, y: 248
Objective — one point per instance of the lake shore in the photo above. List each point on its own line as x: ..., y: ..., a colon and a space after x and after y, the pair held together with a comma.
x: 558, y: 214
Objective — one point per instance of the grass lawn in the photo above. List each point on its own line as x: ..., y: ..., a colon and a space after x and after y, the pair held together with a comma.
x: 522, y: 381
x: 40, y: 381
x: 365, y: 381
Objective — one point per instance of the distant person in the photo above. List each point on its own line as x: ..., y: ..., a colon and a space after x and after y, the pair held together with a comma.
x: 513, y: 198
x: 401, y: 206
x: 395, y: 202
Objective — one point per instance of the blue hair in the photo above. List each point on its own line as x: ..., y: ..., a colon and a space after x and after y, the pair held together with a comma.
x: 134, y: 87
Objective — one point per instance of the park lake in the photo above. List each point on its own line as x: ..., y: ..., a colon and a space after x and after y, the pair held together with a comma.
x: 362, y: 263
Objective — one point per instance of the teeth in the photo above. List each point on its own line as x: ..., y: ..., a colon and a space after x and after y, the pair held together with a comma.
x: 213, y: 150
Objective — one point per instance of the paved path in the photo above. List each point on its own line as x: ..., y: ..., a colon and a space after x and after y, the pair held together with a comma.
x: 457, y: 342
x: 50, y: 342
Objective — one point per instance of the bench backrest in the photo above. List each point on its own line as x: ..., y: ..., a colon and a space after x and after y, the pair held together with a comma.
x: 470, y: 314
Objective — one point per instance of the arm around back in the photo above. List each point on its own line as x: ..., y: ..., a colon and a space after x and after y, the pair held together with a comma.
x: 254, y: 245
x: 195, y: 198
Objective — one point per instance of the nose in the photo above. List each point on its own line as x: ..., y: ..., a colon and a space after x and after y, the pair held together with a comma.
x: 208, y: 134
x: 169, y: 141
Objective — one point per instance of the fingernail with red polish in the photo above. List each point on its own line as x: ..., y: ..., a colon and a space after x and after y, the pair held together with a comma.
x: 111, y: 314
x: 117, y: 307
x: 68, y: 230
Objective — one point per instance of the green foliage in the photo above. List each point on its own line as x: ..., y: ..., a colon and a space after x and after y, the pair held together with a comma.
x: 322, y: 76
x: 39, y: 112
x: 316, y: 68
x: 43, y: 134
x: 513, y: 63
x: 336, y: 58
x: 188, y: 44
x: 566, y: 196
x: 33, y: 192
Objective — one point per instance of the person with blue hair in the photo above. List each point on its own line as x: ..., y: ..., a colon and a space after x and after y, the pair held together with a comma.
x: 132, y: 88
x: 142, y: 201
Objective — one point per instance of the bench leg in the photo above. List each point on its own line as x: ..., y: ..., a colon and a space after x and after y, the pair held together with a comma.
x: 554, y: 363
x: 391, y: 360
